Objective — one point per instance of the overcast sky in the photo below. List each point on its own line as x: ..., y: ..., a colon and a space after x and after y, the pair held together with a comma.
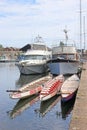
x: 22, y: 20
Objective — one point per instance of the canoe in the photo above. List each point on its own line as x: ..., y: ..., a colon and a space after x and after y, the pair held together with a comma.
x: 29, y: 89
x: 69, y: 87
x: 51, y: 87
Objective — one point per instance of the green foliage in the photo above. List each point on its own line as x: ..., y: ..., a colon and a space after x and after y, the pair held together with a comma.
x: 61, y: 43
x: 1, y: 46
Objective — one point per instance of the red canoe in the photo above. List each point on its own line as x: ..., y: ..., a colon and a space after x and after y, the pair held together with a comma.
x: 51, y: 87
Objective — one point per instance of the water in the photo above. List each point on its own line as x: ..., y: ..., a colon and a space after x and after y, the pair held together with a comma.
x: 30, y: 113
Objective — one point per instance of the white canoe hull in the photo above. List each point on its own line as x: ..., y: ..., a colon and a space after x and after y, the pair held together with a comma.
x: 29, y: 89
x: 22, y: 95
x: 69, y: 87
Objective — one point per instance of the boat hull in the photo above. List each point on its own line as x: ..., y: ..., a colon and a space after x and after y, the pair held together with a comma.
x: 69, y: 87
x: 67, y: 97
x: 22, y: 95
x: 44, y: 98
x: 29, y: 89
x: 63, y: 67
x: 51, y: 88
x: 33, y: 69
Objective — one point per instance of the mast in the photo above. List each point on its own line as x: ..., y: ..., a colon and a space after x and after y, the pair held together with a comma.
x: 84, y: 32
x: 81, y: 26
x: 66, y: 36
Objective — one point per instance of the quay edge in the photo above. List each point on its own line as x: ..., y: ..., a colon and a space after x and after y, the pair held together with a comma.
x: 79, y: 114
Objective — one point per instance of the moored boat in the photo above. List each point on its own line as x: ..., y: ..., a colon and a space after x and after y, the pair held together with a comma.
x: 34, y: 61
x: 69, y: 87
x: 28, y: 89
x: 65, y: 60
x: 51, y: 88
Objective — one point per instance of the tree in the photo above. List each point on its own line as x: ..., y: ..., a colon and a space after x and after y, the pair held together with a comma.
x: 1, y: 46
x: 61, y: 43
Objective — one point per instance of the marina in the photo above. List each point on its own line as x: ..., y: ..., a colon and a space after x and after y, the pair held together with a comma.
x: 31, y: 111
x: 43, y: 82
x: 27, y: 114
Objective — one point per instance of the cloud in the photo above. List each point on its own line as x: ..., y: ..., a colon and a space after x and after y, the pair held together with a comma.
x: 22, y: 20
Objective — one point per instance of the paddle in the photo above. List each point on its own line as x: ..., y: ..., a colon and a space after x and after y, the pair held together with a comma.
x: 13, y: 91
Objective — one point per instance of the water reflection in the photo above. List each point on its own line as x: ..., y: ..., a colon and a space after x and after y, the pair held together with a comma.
x: 46, y: 106
x: 67, y: 107
x: 28, y: 120
x: 24, y: 79
x: 22, y: 105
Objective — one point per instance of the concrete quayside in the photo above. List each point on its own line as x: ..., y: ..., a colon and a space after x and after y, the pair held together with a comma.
x: 79, y: 115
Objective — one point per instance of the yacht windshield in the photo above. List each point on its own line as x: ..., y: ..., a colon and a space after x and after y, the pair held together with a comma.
x: 34, y: 57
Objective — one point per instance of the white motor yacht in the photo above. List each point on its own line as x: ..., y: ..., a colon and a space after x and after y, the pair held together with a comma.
x: 34, y: 62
